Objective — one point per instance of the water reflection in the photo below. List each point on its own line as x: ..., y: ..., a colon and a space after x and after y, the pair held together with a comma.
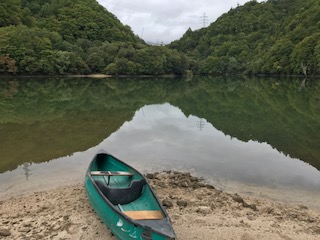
x: 42, y: 119
x: 26, y: 169
x: 162, y: 137
x: 244, y: 130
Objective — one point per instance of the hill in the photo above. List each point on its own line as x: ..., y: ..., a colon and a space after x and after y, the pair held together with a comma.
x: 273, y: 37
x: 75, y: 37
x: 53, y: 37
x: 276, y: 37
x: 71, y: 19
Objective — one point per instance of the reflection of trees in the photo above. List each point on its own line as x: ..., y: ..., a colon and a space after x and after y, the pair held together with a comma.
x: 271, y: 111
x: 303, y: 84
x: 11, y: 90
x: 44, y: 117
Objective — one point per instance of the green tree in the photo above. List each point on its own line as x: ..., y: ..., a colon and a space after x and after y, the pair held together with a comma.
x: 10, y: 13
x: 305, y: 53
x: 7, y: 64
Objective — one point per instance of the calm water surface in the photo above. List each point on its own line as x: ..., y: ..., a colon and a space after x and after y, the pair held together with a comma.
x: 237, y: 134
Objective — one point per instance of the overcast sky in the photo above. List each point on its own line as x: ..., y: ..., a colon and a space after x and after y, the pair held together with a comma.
x: 167, y: 20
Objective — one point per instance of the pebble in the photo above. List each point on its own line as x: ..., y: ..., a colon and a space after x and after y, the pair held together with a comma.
x: 237, y: 198
x: 27, y: 224
x: 150, y: 176
x: 24, y: 230
x: 182, y: 203
x: 204, y: 210
x: 317, y: 230
x: 184, y: 184
x: 167, y: 203
x: 4, y: 233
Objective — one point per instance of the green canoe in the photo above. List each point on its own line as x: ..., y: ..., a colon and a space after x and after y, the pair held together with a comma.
x: 124, y: 200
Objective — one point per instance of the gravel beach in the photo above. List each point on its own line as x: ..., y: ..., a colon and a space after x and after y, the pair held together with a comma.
x: 197, y: 210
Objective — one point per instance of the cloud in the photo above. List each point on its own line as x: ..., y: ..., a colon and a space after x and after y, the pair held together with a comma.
x: 167, y: 20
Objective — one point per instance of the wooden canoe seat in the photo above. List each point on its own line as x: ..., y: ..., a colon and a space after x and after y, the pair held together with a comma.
x: 144, y: 214
x: 111, y: 173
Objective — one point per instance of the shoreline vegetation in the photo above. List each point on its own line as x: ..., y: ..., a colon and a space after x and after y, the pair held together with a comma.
x: 197, y: 210
x: 102, y: 75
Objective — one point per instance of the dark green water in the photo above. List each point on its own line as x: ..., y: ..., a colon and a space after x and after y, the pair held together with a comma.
x: 256, y: 131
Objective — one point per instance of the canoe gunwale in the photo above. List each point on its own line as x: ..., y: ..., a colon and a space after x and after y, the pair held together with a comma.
x: 122, y: 214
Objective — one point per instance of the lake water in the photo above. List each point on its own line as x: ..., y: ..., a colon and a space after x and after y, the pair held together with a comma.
x: 241, y: 135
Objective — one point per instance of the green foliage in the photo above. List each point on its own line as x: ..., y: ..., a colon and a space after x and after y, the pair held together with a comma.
x: 80, y: 36
x: 82, y: 19
x: 149, y: 60
x: 77, y: 36
x: 34, y: 50
x: 10, y: 13
x: 272, y: 37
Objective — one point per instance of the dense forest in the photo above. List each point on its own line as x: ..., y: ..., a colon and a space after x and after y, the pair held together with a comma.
x: 272, y: 37
x: 82, y: 37
x: 75, y: 37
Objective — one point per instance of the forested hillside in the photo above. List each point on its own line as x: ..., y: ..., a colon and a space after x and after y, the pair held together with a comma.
x: 75, y: 36
x: 81, y: 37
x: 272, y: 37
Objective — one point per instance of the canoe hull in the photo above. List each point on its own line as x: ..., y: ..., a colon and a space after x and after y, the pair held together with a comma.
x: 121, y: 225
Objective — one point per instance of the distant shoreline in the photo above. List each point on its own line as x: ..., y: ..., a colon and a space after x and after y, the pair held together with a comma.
x: 100, y: 75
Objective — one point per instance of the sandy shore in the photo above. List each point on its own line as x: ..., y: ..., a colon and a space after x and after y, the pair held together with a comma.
x: 197, y: 210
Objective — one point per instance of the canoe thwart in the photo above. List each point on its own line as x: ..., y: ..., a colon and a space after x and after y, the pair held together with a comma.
x: 144, y: 215
x: 110, y: 173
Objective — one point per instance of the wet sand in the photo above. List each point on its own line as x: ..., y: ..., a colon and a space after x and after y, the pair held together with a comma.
x: 197, y: 210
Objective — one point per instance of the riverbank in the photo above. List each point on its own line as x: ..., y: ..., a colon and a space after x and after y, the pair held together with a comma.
x: 197, y: 210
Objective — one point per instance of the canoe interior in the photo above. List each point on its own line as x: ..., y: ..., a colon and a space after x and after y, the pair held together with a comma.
x: 107, y: 163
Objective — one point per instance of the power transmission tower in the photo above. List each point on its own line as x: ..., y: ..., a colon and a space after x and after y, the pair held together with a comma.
x: 204, y: 20
x: 200, y: 124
